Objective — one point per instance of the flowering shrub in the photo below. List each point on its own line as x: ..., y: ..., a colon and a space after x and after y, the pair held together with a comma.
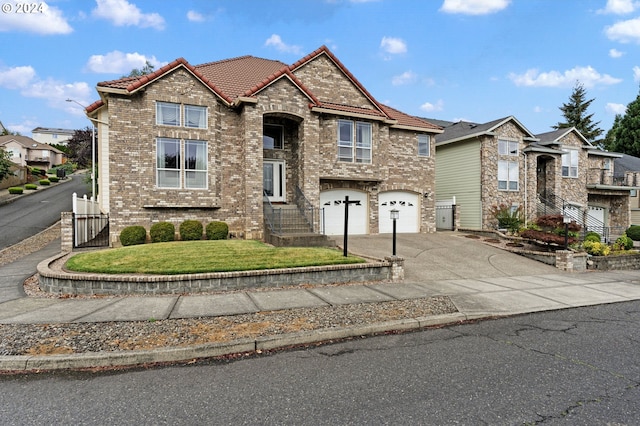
x: 508, y: 217
x: 596, y: 248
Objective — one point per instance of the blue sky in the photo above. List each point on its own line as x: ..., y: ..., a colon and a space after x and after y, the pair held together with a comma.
x: 476, y: 60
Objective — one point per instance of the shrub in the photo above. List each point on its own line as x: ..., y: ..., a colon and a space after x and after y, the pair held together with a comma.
x: 596, y: 248
x: 190, y: 230
x: 508, y: 217
x: 547, y: 237
x: 37, y: 171
x: 53, y: 179
x: 15, y: 190
x: 132, y: 235
x: 217, y: 231
x: 31, y: 186
x: 162, y: 232
x: 634, y: 232
x: 592, y: 236
x: 44, y: 182
x: 623, y: 243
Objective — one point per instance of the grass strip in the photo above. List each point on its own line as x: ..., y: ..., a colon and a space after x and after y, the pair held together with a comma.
x: 191, y: 257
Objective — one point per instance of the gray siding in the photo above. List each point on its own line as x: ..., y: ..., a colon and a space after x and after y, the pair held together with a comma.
x: 458, y: 174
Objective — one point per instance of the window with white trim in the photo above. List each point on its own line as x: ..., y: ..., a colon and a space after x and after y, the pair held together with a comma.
x: 170, y: 114
x: 508, y: 165
x: 570, y: 163
x: 195, y: 116
x: 424, y: 145
x: 354, y: 141
x: 508, y: 175
x: 181, y: 164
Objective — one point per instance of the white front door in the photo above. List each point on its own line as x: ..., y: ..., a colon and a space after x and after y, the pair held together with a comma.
x: 273, y: 180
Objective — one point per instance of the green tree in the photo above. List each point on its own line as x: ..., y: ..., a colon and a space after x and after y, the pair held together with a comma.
x: 4, y: 131
x: 575, y: 114
x: 148, y: 68
x: 5, y: 163
x: 624, y: 136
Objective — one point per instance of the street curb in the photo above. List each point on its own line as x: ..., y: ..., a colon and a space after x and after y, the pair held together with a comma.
x: 30, y: 363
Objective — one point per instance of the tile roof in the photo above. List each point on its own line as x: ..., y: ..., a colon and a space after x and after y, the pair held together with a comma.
x: 245, y: 76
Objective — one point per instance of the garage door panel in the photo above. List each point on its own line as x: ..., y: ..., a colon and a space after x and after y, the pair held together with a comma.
x: 407, y: 204
x: 332, y: 201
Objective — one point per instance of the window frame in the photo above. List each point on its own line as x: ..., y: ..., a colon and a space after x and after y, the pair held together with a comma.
x: 505, y: 147
x: 159, y: 115
x: 358, y: 147
x: 509, y: 178
x: 280, y: 130
x: 572, y: 171
x: 423, y: 144
x: 203, y: 110
x: 182, y: 180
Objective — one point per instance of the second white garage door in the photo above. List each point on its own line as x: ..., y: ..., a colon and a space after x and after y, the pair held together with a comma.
x: 332, y: 201
x: 408, y: 205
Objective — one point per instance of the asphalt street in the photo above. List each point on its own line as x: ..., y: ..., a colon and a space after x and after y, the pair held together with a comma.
x: 27, y: 215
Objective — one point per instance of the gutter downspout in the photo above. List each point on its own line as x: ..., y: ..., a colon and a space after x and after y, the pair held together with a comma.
x: 526, y: 169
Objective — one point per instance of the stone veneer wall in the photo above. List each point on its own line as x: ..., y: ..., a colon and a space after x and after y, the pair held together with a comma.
x: 491, y: 196
x: 575, y: 189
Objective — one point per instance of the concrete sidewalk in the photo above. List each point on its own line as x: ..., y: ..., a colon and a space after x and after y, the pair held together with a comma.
x: 487, y: 294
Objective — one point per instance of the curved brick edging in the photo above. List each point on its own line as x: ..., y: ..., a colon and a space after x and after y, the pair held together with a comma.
x: 78, y: 283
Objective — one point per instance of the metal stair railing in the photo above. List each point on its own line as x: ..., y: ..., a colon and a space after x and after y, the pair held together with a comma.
x: 553, y: 205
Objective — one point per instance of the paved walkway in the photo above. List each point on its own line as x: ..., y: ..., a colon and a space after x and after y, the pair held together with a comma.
x: 482, y: 281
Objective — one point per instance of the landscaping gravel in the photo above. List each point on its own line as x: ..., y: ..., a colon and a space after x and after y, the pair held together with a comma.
x: 47, y: 339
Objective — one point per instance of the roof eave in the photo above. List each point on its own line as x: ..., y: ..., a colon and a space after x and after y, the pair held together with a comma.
x: 416, y: 128
x: 323, y: 110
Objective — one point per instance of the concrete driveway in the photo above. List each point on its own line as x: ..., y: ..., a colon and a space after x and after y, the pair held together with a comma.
x: 447, y: 255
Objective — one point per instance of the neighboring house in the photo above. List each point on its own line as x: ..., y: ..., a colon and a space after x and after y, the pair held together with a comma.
x: 501, y: 162
x: 226, y: 139
x: 51, y: 135
x: 627, y: 172
x: 27, y: 152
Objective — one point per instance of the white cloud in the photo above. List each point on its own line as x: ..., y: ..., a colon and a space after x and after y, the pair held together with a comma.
x: 122, y: 13
x: 615, y: 53
x: 615, y: 108
x: 588, y: 76
x: 47, y: 20
x: 429, y: 107
x: 636, y: 73
x: 538, y: 109
x: 393, y: 45
x: 474, y: 7
x: 406, y: 77
x: 117, y: 62
x: 276, y: 41
x: 619, y: 7
x: 16, y: 77
x: 55, y: 92
x: 624, y: 31
x: 194, y: 16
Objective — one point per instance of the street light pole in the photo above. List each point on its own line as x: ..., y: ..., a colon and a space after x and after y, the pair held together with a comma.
x: 94, y: 196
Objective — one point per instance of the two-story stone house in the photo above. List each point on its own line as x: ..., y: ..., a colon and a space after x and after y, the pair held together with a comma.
x: 484, y: 165
x: 219, y: 140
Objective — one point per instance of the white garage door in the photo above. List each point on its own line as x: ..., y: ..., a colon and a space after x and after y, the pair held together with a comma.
x: 332, y: 201
x: 408, y: 206
x: 597, y: 214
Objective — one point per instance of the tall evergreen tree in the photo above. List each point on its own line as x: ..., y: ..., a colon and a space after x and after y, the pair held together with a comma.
x: 624, y: 136
x: 575, y: 114
x: 147, y: 69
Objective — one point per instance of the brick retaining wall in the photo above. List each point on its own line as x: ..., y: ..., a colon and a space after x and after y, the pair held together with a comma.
x: 61, y: 282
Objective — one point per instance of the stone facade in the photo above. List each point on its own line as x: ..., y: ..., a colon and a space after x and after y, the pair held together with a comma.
x: 235, y: 152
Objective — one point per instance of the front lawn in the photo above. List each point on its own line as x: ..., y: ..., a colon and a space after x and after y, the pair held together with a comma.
x: 190, y: 257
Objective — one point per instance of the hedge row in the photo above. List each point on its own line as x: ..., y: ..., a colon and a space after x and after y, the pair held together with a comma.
x: 189, y: 230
